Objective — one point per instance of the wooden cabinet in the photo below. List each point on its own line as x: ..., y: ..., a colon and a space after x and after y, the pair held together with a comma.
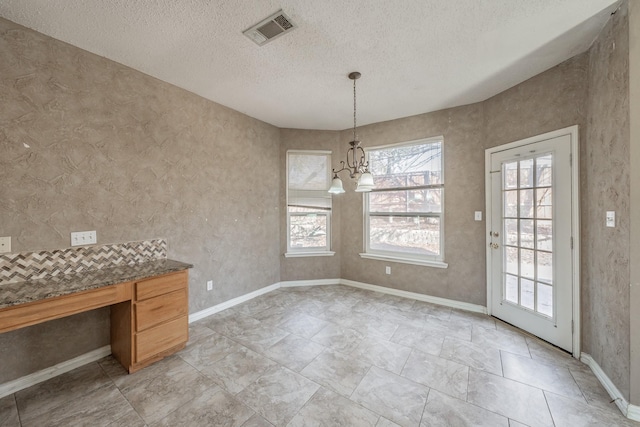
x: 154, y: 323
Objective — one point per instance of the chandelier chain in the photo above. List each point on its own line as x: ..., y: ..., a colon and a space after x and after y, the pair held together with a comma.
x: 354, y: 109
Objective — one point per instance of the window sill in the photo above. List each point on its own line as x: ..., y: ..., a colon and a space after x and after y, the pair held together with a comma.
x: 307, y: 254
x: 436, y: 264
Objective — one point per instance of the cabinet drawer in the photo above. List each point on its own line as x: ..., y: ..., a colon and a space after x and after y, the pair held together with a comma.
x: 161, y: 285
x: 161, y: 338
x: 153, y: 311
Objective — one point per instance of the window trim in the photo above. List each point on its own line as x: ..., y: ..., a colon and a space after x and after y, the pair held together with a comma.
x: 405, y: 257
x: 315, y: 251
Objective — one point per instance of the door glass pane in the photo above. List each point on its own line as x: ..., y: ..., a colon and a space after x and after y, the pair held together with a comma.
x: 511, y: 204
x: 528, y: 233
x: 526, y: 204
x: 544, y: 237
x: 526, y: 173
x: 511, y: 232
x: 544, y: 208
x: 511, y: 288
x: 543, y: 171
x: 511, y: 175
x: 526, y: 263
x: 545, y: 299
x: 527, y: 293
x: 545, y: 267
x: 511, y: 260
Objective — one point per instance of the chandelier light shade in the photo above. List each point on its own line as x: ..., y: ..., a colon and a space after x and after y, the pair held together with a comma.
x: 356, y: 164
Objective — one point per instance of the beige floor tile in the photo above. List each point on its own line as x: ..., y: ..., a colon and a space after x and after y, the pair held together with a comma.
x: 278, y: 395
x: 502, y: 339
x: 473, y: 355
x: 303, y: 325
x: 435, y: 310
x: 257, y: 421
x: 157, y: 397
x: 593, y: 391
x: 383, y: 354
x: 418, y: 338
x: 571, y: 413
x: 509, y: 398
x: 214, y: 407
x: 9, y: 412
x: 392, y: 396
x: 444, y: 375
x: 208, y: 350
x: 443, y: 411
x: 338, y: 338
x: 479, y: 319
x: 99, y: 407
x: 260, y: 338
x: 68, y: 387
x: 238, y: 369
x: 336, y: 371
x: 198, y: 330
x: 547, y: 377
x: 130, y: 419
x: 547, y: 353
x: 294, y: 352
x: 383, y: 422
x: 327, y: 408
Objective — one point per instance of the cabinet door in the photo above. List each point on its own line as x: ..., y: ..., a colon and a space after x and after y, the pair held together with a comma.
x: 159, y: 338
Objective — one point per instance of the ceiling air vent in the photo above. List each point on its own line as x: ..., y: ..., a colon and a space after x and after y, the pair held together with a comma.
x: 270, y: 28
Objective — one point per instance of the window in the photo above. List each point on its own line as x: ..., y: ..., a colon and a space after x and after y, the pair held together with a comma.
x: 404, y: 213
x: 308, y: 203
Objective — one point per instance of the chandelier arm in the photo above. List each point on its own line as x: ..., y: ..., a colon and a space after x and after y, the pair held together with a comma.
x: 336, y: 172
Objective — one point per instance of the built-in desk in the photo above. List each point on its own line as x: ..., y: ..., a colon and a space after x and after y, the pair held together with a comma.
x: 149, y: 306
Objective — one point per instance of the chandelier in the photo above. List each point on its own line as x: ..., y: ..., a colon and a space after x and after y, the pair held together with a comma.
x: 357, y: 164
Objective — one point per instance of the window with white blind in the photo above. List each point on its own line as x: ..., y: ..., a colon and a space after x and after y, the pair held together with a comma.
x: 404, y: 213
x: 308, y: 203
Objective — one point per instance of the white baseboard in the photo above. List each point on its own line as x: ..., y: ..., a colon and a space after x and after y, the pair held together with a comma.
x: 633, y: 412
x: 230, y: 303
x: 414, y: 295
x: 317, y: 282
x: 629, y: 411
x: 53, y: 371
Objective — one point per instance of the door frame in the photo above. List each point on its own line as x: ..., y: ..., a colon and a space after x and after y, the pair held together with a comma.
x: 572, y: 131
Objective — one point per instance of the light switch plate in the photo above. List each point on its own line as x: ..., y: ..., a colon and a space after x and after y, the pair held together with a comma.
x: 5, y: 244
x: 478, y: 216
x: 611, y: 218
x: 79, y: 238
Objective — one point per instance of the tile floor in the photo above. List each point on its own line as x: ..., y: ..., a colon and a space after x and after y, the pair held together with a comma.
x: 331, y: 356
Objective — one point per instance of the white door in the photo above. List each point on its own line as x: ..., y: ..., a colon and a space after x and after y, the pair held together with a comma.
x: 530, y: 259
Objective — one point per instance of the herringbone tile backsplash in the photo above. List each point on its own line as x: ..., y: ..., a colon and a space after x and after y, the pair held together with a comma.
x: 24, y: 266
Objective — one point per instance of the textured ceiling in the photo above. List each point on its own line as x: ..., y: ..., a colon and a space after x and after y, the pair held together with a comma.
x: 415, y: 56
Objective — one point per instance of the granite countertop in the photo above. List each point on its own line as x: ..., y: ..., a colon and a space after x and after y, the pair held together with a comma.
x: 34, y: 290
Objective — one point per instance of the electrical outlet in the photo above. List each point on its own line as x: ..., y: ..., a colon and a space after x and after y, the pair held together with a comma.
x: 79, y: 238
x: 478, y: 216
x: 5, y: 244
x: 611, y: 218
x: 209, y: 285
x: 387, y: 270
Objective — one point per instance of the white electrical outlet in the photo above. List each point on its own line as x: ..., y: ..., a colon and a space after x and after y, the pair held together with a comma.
x: 478, y: 216
x: 387, y: 270
x: 611, y: 218
x: 5, y: 244
x: 79, y: 238
x: 209, y: 285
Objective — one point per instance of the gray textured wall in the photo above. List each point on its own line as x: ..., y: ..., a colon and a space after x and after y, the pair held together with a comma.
x: 464, y: 182
x: 606, y: 250
x: 548, y: 101
x: 634, y: 205
x: 114, y: 150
